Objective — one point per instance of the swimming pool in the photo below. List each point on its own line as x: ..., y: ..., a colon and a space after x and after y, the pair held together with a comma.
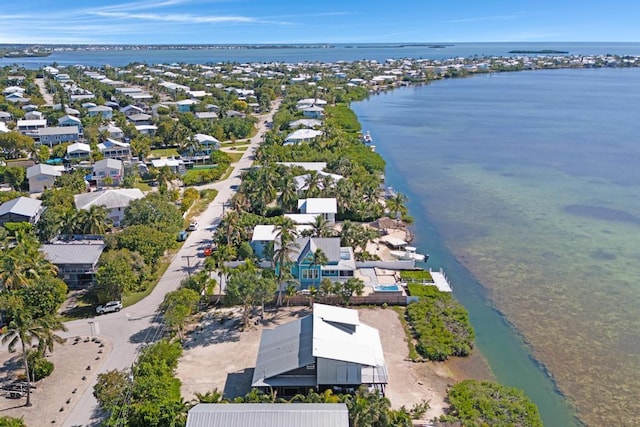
x: 387, y: 288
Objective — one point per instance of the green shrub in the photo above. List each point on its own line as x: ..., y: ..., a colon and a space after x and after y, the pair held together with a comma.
x: 476, y: 403
x: 440, y: 325
x: 39, y: 366
x: 12, y: 422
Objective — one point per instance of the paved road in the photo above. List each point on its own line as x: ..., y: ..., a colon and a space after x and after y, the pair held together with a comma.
x: 133, y: 327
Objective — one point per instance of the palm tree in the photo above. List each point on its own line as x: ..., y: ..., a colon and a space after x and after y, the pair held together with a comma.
x: 24, y: 263
x: 216, y: 261
x: 396, y: 205
x: 321, y: 227
x: 69, y: 221
x: 283, y: 252
x: 288, y: 194
x: 23, y: 329
x: 312, y: 184
x: 94, y: 221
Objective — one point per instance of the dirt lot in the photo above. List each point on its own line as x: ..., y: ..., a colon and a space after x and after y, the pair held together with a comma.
x: 56, y: 395
x: 219, y: 356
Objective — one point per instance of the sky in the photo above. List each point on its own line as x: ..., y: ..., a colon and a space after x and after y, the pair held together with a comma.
x: 322, y: 21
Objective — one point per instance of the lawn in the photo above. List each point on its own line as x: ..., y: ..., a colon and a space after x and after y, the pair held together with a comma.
x: 165, y: 152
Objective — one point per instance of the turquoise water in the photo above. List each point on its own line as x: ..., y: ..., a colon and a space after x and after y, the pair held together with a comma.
x: 524, y: 187
x: 387, y: 288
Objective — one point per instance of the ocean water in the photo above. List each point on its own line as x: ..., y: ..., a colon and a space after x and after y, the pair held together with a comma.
x: 525, y: 187
x: 338, y: 52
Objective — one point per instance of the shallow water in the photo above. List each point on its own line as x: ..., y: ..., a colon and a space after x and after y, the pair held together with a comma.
x: 531, y: 181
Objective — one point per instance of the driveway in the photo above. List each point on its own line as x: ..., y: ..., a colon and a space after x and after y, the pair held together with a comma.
x: 133, y: 327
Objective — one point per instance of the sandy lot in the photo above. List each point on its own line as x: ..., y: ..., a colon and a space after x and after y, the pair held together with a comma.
x: 56, y: 395
x: 219, y: 356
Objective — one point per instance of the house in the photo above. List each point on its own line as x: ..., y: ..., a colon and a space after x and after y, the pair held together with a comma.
x: 263, y: 236
x: 21, y: 209
x: 268, y: 414
x: 313, y: 112
x: 77, y: 260
x: 147, y: 129
x: 175, y: 165
x: 115, y: 201
x: 113, y: 149
x: 131, y: 110
x: 4, y: 128
x: 41, y: 177
x: 207, y: 143
x: 327, y: 207
x: 70, y: 121
x: 329, y: 349
x: 34, y: 115
x: 184, y: 106
x: 340, y: 263
x: 13, y: 89
x: 57, y: 135
x: 101, y: 110
x: 112, y: 131
x: 139, y: 119
x: 108, y: 172
x: 78, y: 150
x: 5, y: 117
x: 30, y: 126
x: 302, y: 135
x: 206, y: 115
x: 236, y: 114
x: 305, y: 123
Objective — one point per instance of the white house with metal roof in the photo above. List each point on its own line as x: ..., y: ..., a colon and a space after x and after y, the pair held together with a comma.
x: 327, y: 207
x: 302, y: 135
x: 268, y: 415
x: 115, y: 201
x: 113, y: 149
x: 21, y: 209
x: 106, y: 170
x: 41, y: 177
x: 329, y: 349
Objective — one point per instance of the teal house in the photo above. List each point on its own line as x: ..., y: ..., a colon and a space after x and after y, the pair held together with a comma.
x: 340, y: 263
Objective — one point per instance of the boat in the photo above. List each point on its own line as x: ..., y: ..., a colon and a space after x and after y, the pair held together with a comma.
x: 409, y: 252
x: 367, y: 138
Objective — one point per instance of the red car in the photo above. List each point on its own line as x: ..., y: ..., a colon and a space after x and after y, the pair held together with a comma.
x: 208, y: 250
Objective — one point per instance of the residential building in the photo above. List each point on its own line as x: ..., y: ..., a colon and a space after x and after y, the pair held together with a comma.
x: 77, y: 260
x: 5, y: 117
x: 329, y: 349
x: 57, y: 135
x: 101, y: 110
x: 113, y: 149
x: 113, y: 132
x: 268, y: 414
x: 147, y: 129
x: 340, y: 262
x: 131, y: 110
x: 263, y: 236
x: 30, y: 126
x: 115, y: 201
x: 21, y: 209
x: 42, y: 177
x: 70, y: 121
x: 327, y: 207
x: 184, y: 106
x: 139, y: 119
x: 108, y: 172
x: 302, y: 135
x: 78, y: 150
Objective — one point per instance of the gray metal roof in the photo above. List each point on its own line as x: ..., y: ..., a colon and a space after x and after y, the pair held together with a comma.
x: 283, y: 349
x: 73, y: 253
x: 23, y: 206
x: 329, y: 245
x: 268, y: 415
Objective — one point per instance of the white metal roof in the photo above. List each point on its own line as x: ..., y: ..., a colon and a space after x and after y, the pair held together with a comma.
x: 42, y: 169
x: 318, y: 205
x: 303, y: 134
x: 265, y: 233
x: 79, y: 146
x: 335, y: 339
x: 110, y: 199
x: 268, y: 415
x: 23, y: 206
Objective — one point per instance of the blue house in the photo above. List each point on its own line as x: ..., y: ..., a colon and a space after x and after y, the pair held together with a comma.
x: 102, y: 110
x: 340, y: 263
x: 69, y: 120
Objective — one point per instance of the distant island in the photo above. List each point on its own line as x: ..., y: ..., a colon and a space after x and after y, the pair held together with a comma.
x: 396, y: 46
x: 539, y: 51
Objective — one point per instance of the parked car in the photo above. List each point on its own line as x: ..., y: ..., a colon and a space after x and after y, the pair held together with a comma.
x: 109, y: 307
x: 182, y: 236
x: 208, y: 250
x: 193, y: 226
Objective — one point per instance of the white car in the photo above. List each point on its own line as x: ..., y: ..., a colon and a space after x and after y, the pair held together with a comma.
x: 193, y: 226
x: 109, y: 307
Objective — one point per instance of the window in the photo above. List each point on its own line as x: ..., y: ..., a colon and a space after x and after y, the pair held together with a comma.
x: 310, y: 274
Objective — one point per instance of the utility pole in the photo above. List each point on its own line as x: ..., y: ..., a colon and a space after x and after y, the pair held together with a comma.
x: 188, y: 257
